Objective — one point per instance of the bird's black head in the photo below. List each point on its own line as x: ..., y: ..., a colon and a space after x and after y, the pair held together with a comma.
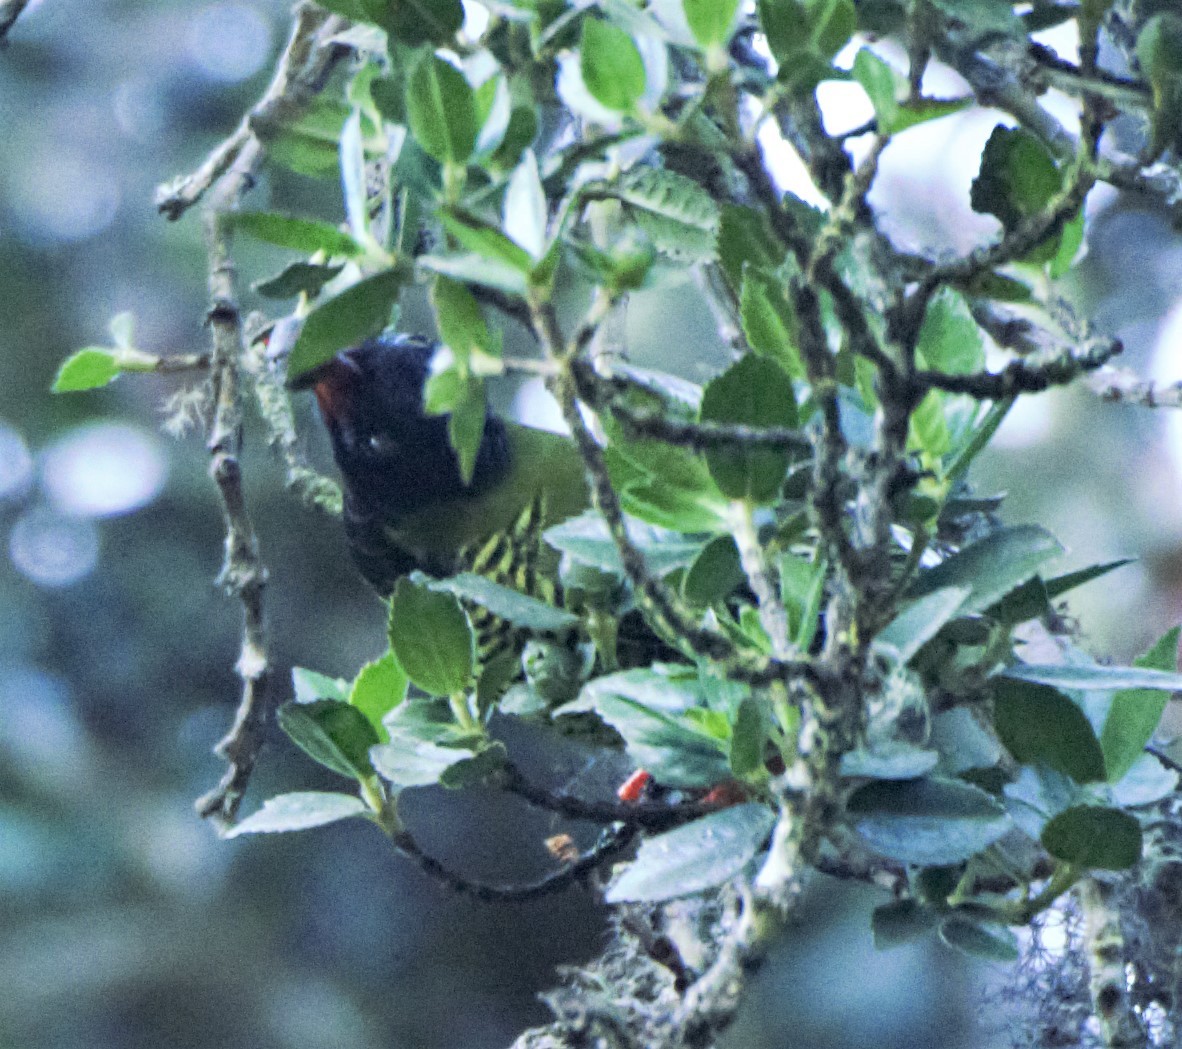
x: 394, y: 458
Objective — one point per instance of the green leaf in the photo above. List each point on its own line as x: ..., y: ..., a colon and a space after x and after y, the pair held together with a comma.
x: 416, y: 22
x: 310, y: 685
x: 1040, y: 725
x: 431, y: 638
x: 899, y: 761
x: 900, y: 922
x: 980, y: 939
x: 298, y: 234
x: 990, y: 567
x: 379, y: 687
x: 87, y: 369
x: 1093, y: 837
x: 878, y: 81
x: 1017, y: 179
x: 929, y: 822
x: 507, y: 604
x: 1134, y: 713
x: 1146, y: 783
x: 807, y: 33
x: 715, y: 573
x: 586, y: 539
x: 963, y: 742
x: 525, y: 214
x: 465, y: 425
x: 1060, y: 585
x: 475, y: 269
x: 650, y: 710
x: 300, y: 278
x: 920, y: 620
x: 332, y: 733
x: 441, y: 110
x: 701, y: 855
x: 299, y: 811
x: 308, y: 145
x: 610, y: 63
x: 678, y: 215
x: 409, y: 762
x: 949, y: 339
x: 982, y: 15
x: 344, y: 320
x: 711, y: 21
x: 757, y: 392
x: 769, y: 321
x: 1094, y: 677
x: 748, y: 739
x: 462, y: 326
x: 744, y: 239
x: 478, y: 236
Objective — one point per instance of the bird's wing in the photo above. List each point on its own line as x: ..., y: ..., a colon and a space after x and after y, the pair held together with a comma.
x: 543, y: 466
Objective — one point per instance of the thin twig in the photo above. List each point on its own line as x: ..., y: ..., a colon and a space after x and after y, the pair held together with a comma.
x: 305, y: 62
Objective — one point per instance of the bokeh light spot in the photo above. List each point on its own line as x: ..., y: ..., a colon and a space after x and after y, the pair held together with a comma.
x: 63, y: 195
x: 16, y: 464
x: 103, y: 469
x: 51, y: 549
x: 229, y: 42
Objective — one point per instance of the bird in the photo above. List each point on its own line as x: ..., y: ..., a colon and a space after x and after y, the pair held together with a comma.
x: 407, y: 506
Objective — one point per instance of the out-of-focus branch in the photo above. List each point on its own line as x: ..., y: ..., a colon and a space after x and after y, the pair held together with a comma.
x: 10, y: 11
x: 307, y: 60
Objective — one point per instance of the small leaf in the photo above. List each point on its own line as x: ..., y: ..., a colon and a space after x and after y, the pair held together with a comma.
x: 332, y: 733
x: 1093, y: 837
x: 409, y: 762
x: 1134, y: 713
x: 285, y: 231
x: 586, y: 539
x: 1018, y: 177
x: 963, y: 742
x: 920, y: 620
x: 900, y: 922
x: 1040, y: 725
x: 431, y: 638
x: 769, y: 322
x: 507, y: 604
x: 677, y: 213
x: 928, y: 822
x: 744, y: 240
x: 991, y: 567
x: 1146, y: 783
x: 300, y: 278
x: 611, y: 66
x: 1094, y: 677
x: 416, y: 22
x: 715, y: 573
x: 878, y: 81
x: 892, y: 761
x: 711, y: 21
x: 980, y: 939
x: 310, y: 685
x: 525, y: 207
x: 477, y: 235
x: 757, y: 392
x: 441, y: 110
x: 748, y: 739
x: 1060, y: 585
x: 87, y: 369
x: 701, y: 855
x: 299, y: 811
x: 949, y: 339
x: 982, y: 15
x: 461, y: 323
x: 378, y: 688
x: 346, y: 319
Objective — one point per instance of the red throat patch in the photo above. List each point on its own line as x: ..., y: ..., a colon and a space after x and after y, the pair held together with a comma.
x: 334, y: 387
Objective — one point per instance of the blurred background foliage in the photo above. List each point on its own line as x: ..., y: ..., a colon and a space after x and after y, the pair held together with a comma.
x: 124, y: 922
